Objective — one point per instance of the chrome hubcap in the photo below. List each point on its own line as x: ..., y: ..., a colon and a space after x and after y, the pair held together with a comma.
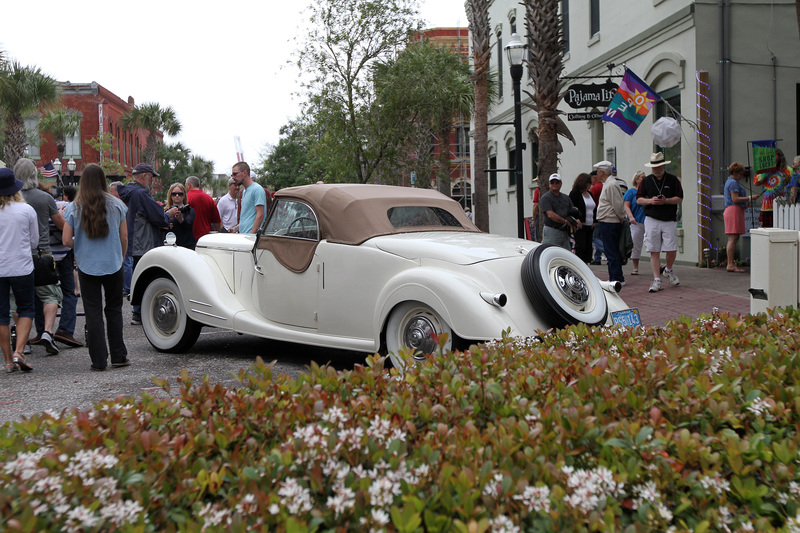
x: 572, y: 285
x: 417, y: 335
x: 165, y: 313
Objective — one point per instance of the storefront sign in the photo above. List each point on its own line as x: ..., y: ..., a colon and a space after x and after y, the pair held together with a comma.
x: 590, y: 95
x: 595, y: 115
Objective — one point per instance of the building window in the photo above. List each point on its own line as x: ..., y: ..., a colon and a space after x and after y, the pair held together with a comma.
x: 512, y: 164
x: 565, y: 23
x: 492, y: 174
x: 73, y: 147
x: 500, y: 53
x: 462, y: 141
x: 513, y: 25
x: 594, y: 6
x: 32, y: 136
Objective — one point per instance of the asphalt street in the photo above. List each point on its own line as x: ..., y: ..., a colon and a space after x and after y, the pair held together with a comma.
x: 64, y: 381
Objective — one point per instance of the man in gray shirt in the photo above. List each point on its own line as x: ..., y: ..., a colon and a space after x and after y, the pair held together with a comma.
x: 45, y: 206
x: 558, y: 223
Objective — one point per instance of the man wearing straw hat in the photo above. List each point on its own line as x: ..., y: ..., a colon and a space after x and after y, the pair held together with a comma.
x: 660, y: 193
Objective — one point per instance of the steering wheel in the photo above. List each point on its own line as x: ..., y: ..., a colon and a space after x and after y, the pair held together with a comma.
x: 306, y: 230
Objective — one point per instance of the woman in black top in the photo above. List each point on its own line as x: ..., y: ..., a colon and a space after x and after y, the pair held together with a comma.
x: 583, y: 200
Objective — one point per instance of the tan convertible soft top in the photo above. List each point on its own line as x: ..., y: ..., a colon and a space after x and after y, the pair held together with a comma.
x: 352, y: 213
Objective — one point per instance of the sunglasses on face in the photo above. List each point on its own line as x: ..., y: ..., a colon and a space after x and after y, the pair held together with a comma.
x: 177, y: 194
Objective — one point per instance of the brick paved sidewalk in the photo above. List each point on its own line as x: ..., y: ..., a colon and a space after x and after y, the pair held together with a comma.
x: 700, y: 291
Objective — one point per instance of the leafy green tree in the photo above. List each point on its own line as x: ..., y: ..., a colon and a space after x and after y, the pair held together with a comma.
x: 152, y: 118
x: 178, y: 163
x: 291, y: 162
x: 480, y: 33
x: 104, y: 144
x: 345, y: 41
x: 428, y: 86
x: 61, y: 123
x: 22, y: 90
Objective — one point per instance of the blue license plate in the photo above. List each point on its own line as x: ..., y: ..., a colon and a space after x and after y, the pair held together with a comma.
x: 627, y: 317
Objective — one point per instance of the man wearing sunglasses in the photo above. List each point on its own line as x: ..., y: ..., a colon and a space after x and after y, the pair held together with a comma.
x: 145, y: 218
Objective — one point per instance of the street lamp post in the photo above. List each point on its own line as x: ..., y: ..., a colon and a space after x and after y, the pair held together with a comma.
x: 57, y: 166
x: 515, y: 50
x: 71, y: 167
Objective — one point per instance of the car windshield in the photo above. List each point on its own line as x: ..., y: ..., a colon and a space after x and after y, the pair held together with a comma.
x: 410, y: 216
x: 290, y: 218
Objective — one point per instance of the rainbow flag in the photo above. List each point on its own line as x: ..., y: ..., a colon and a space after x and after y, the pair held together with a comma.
x: 631, y: 103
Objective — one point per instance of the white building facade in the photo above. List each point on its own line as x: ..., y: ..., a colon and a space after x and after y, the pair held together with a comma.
x: 730, y: 68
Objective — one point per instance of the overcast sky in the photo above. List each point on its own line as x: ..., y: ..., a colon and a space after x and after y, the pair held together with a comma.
x: 223, y: 66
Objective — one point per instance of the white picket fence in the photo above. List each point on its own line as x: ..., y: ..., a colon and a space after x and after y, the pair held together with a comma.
x: 786, y: 216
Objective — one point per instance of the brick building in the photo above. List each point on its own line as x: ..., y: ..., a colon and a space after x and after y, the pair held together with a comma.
x: 100, y: 111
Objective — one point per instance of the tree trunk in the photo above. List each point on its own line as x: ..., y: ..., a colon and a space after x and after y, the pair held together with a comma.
x: 16, y: 139
x: 443, y: 173
x: 480, y: 157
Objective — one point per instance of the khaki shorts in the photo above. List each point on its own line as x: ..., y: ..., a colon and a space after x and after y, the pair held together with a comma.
x: 660, y: 235
x: 47, y: 294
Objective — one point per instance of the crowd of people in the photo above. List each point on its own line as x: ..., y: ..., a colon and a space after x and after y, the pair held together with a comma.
x: 87, y: 242
x: 603, y: 214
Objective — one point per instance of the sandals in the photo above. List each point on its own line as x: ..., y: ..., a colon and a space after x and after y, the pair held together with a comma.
x: 737, y: 269
x: 21, y: 363
x: 11, y: 367
x: 635, y: 273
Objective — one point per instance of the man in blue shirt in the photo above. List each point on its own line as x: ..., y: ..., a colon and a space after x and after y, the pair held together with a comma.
x: 254, y: 199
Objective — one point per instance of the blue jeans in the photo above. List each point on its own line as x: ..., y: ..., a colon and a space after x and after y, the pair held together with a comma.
x: 22, y: 286
x: 598, y: 246
x: 127, y: 267
x: 609, y: 233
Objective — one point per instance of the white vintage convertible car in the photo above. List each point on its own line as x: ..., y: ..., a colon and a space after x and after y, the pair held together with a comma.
x: 367, y: 268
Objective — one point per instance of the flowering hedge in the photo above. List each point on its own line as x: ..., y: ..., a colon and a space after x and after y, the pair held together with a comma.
x: 688, y: 427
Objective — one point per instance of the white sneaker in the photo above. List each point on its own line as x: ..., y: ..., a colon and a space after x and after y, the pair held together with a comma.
x: 673, y: 279
x: 656, y: 286
x: 47, y: 342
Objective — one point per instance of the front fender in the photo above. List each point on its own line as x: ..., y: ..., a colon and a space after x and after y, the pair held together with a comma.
x: 205, y: 294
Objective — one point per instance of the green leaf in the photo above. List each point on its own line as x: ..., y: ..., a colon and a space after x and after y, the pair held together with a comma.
x: 618, y: 443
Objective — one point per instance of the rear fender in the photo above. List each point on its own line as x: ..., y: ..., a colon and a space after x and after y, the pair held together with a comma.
x: 456, y: 300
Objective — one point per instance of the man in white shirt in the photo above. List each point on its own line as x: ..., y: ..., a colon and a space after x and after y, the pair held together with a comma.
x: 228, y: 207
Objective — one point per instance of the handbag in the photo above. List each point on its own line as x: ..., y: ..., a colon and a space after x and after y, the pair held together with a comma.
x: 625, y: 241
x: 44, y: 269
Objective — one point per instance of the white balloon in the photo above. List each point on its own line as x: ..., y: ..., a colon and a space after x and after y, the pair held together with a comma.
x: 666, y: 132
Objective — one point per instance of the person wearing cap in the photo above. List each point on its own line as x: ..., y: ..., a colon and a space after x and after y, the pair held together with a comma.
x: 610, y: 215
x: 558, y: 222
x: 48, y: 296
x: 228, y: 207
x: 660, y: 193
x: 16, y: 268
x: 145, y: 219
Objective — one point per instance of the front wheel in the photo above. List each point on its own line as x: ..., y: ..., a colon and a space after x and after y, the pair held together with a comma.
x: 164, y: 320
x: 413, y: 324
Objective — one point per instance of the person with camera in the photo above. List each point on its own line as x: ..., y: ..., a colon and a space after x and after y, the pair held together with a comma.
x: 181, y: 216
x: 660, y: 193
x: 610, y: 216
x: 558, y: 222
x: 735, y: 204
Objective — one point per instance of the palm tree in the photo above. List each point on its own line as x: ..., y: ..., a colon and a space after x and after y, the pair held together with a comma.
x: 22, y: 91
x: 480, y: 32
x: 61, y: 123
x: 543, y: 24
x: 153, y: 118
